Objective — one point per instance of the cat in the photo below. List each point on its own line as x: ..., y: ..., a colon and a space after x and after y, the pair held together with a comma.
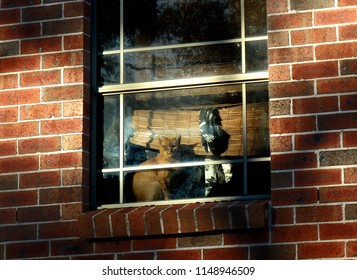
x: 154, y: 184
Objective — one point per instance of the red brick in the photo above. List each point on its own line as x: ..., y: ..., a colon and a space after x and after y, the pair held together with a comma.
x: 75, y: 75
x: 8, y: 82
x: 16, y: 130
x: 65, y: 160
x: 338, y: 85
x: 288, y: 55
x: 60, y: 195
x: 8, y: 216
x: 61, y: 126
x: 40, y: 179
x: 113, y: 246
x: 18, y: 3
x: 273, y: 252
x: 8, y: 148
x: 348, y: 66
x: 291, y: 89
x: 281, y: 144
x: 62, y: 59
x: 169, y: 219
x: 187, y: 219
x: 294, y: 161
x: 61, y: 93
x: 153, y: 220
x: 342, y: 3
x: 321, y: 250
x: 338, y: 194
x: 294, y: 196
x: 221, y: 216
x: 350, y: 175
x: 279, y: 73
x: 73, y: 42
x: 18, y: 163
x: 277, y: 6
x: 204, y: 217
x: 225, y: 254
x: 42, y: 45
x: 313, y: 36
x: 119, y: 221
x: 39, y: 145
x: 252, y: 236
x: 289, y: 21
x: 318, y: 177
x: 137, y: 256
x: 38, y: 214
x: 18, y: 232
x: 348, y: 102
x: 71, y: 247
x: 315, y: 105
x: 19, y: 31
x: 292, y: 124
x: 317, y: 141
x: 58, y: 230
x: 102, y: 225
x: 74, y: 177
x: 315, y: 70
x: 8, y: 182
x: 40, y: 78
x: 154, y: 244
x: 278, y: 39
x: 18, y: 198
x: 17, y: 97
x: 17, y: 64
x: 340, y: 50
x: 42, y: 13
x: 136, y: 221
x: 294, y: 233
x: 27, y: 250
x: 41, y: 111
x: 348, y: 32
x: 283, y: 216
x: 337, y: 121
x: 9, y: 114
x: 179, y: 255
x: 71, y: 211
x: 10, y: 16
x: 317, y: 214
x: 338, y: 231
x: 77, y: 9
x: 66, y: 26
x: 336, y: 16
x: 309, y: 5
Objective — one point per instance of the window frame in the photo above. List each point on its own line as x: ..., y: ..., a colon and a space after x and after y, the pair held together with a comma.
x: 122, y: 89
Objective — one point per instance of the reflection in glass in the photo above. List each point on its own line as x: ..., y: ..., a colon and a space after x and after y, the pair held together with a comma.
x: 161, y: 22
x: 109, y: 70
x: 108, y: 24
x: 108, y: 189
x: 255, y: 17
x: 258, y: 120
x: 182, y: 63
x: 257, y: 56
x: 111, y: 132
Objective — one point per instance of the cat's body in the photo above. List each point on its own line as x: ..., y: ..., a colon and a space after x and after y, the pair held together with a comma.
x: 154, y: 184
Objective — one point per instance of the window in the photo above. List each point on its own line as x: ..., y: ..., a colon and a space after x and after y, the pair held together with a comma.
x: 181, y: 100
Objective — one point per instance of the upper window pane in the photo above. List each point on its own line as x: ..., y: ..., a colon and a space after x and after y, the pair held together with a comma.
x: 166, y: 22
x: 108, y: 24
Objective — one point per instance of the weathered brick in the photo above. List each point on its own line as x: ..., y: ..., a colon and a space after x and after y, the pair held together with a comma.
x: 279, y: 73
x: 62, y: 59
x: 315, y: 105
x: 77, y: 9
x: 27, y: 250
x: 317, y: 214
x: 40, y: 111
x: 277, y: 6
x: 289, y: 21
x: 317, y: 141
x: 294, y: 233
x: 113, y: 246
x: 18, y: 198
x: 64, y: 160
x: 19, y: 163
x: 281, y: 180
x: 59, y: 93
x: 9, y: 114
x: 40, y: 179
x: 8, y: 81
x: 338, y: 231
x: 351, y: 248
x: 315, y: 70
x: 318, y: 177
x: 39, y: 145
x: 17, y: 97
x: 288, y: 55
x: 40, y: 78
x: 8, y: 182
x: 342, y: 3
x: 38, y: 214
x: 71, y: 247
x: 42, y: 13
x: 292, y: 124
x: 348, y: 102
x: 339, y: 50
x: 61, y: 126
x: 17, y: 130
x: 73, y: 42
x: 313, y: 36
x: 340, y: 157
x: 19, y: 31
x: 278, y: 39
x: 71, y: 211
x: 294, y: 161
x: 66, y: 26
x: 338, y: 194
x: 281, y: 144
x: 336, y: 16
x: 9, y: 48
x: 8, y: 148
x: 60, y: 195
x: 41, y: 45
x: 294, y: 196
x: 350, y: 175
x: 351, y: 211
x: 291, y: 89
x: 348, y: 32
x: 337, y: 85
x: 337, y: 121
x: 348, y: 66
x: 21, y: 63
x: 321, y: 250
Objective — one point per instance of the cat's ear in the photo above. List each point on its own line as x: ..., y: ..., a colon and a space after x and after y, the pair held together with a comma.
x: 178, y: 139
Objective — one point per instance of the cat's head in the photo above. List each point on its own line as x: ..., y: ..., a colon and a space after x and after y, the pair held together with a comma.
x: 169, y: 145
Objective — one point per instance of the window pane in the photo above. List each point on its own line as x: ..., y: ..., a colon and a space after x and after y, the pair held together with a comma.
x: 108, y: 24
x: 111, y: 132
x: 161, y: 22
x: 109, y: 70
x: 258, y: 178
x: 255, y: 17
x: 258, y: 120
x: 182, y: 63
x: 108, y: 189
x: 257, y: 58
x: 205, y: 121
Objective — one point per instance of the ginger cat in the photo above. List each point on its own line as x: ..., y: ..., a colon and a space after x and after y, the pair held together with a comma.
x: 153, y: 185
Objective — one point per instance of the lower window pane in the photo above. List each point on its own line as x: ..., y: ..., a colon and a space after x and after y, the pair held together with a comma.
x: 258, y: 178
x: 256, y: 56
x: 108, y: 189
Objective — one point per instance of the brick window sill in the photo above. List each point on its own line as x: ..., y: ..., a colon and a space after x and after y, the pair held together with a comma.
x: 174, y: 219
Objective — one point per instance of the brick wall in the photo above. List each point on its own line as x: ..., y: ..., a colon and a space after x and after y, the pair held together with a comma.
x: 44, y: 144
